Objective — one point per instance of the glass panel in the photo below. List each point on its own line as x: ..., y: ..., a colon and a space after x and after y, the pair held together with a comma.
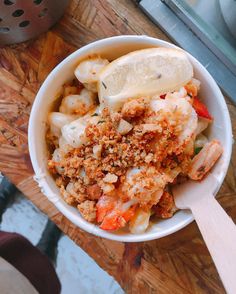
x: 207, y: 21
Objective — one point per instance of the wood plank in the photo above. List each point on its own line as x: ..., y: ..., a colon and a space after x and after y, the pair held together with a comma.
x: 179, y: 263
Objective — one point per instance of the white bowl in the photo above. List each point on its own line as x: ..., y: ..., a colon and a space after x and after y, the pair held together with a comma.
x: 112, y: 48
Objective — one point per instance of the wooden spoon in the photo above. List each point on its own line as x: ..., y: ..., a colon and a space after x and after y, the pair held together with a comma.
x: 217, y: 228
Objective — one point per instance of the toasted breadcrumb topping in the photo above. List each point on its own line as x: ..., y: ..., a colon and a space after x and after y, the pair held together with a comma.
x: 127, y: 159
x: 107, y: 155
x: 88, y: 210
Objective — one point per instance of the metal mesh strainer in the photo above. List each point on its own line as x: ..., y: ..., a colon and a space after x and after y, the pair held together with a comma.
x: 21, y: 20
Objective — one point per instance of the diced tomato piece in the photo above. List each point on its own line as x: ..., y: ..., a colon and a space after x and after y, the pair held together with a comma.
x: 113, y: 221
x: 104, y: 205
x: 163, y: 96
x: 201, y: 109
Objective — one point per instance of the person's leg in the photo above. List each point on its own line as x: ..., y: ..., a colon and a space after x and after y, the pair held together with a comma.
x: 51, y: 234
x: 19, y: 252
x: 34, y: 265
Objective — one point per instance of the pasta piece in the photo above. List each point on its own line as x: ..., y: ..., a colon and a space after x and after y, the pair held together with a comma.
x: 200, y: 141
x: 201, y: 125
x: 140, y: 221
x: 57, y: 120
x: 57, y: 157
x: 74, y: 132
x: 63, y: 145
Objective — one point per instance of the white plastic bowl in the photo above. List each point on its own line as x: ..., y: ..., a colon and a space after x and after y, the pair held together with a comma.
x: 112, y: 48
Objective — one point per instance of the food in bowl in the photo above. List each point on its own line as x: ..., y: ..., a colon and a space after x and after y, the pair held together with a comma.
x: 125, y: 132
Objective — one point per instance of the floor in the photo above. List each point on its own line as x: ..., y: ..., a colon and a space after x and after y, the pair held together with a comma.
x: 77, y: 272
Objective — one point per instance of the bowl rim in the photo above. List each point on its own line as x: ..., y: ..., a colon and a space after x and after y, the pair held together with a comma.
x: 60, y: 203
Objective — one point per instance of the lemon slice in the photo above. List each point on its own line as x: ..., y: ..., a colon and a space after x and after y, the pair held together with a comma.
x: 143, y: 73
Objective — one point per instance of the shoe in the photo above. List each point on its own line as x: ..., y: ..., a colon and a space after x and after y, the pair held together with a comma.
x: 7, y: 194
x: 49, y: 239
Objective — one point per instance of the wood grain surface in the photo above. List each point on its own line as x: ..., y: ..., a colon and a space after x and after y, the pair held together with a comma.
x: 179, y: 263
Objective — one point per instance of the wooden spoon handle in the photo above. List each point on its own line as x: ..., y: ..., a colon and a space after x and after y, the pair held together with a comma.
x: 219, y: 233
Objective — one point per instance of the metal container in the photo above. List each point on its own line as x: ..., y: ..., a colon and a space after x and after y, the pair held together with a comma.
x: 21, y: 20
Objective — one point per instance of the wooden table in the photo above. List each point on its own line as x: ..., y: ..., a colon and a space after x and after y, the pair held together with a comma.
x: 176, y: 264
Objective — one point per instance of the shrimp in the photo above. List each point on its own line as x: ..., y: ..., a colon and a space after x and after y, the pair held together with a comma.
x: 144, y: 184
x: 78, y: 104
x: 57, y: 120
x: 205, y: 160
x: 104, y: 205
x: 74, y: 132
x: 112, y: 213
x: 174, y: 108
x: 88, y: 70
